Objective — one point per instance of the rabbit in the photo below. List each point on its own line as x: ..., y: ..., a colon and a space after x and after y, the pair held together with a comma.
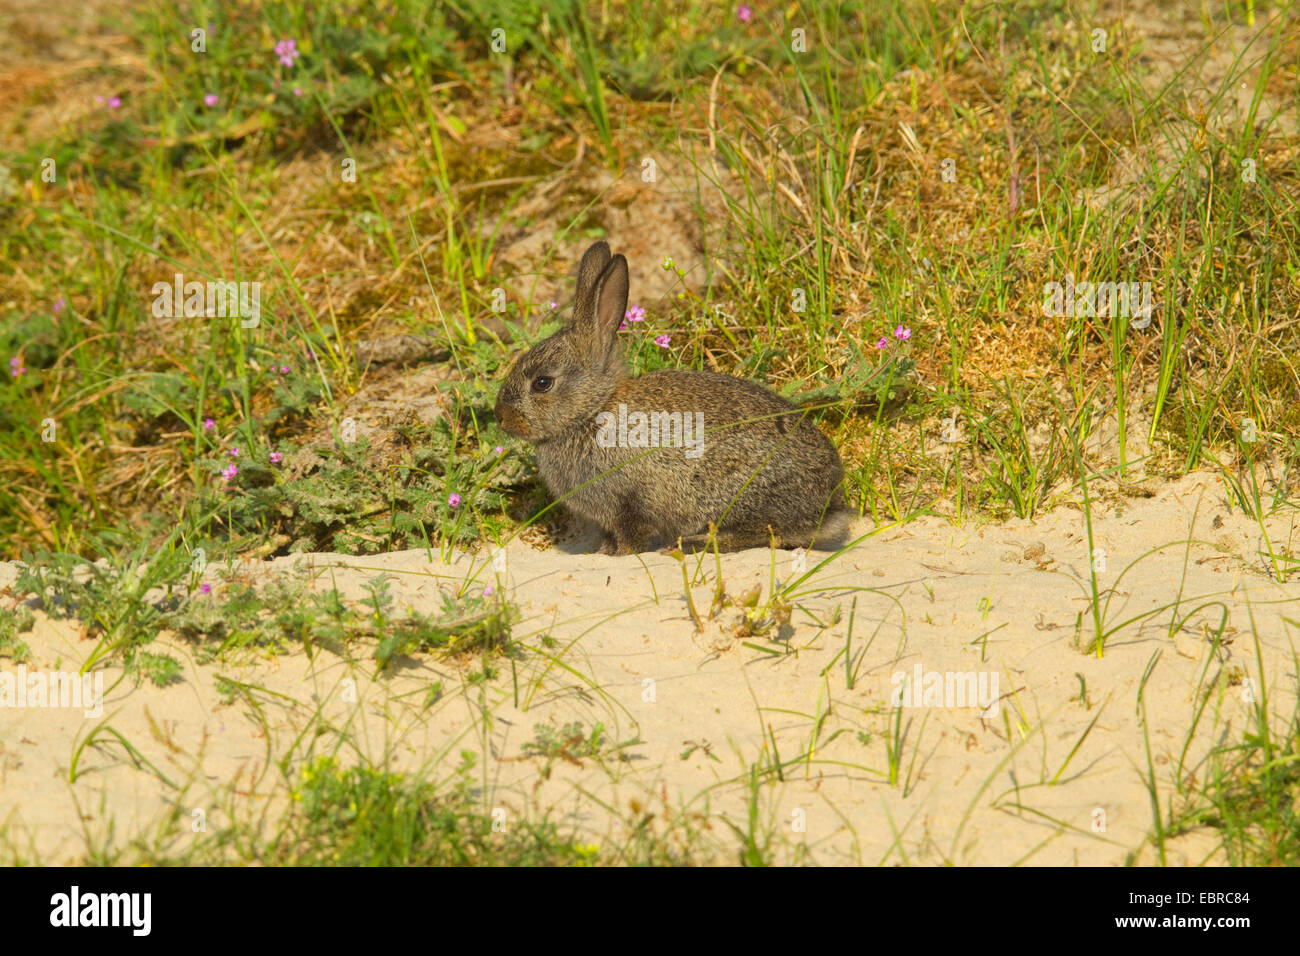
x: 760, y: 472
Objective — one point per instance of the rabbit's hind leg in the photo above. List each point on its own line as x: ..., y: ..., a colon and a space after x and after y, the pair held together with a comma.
x: 633, y: 531
x: 608, y: 543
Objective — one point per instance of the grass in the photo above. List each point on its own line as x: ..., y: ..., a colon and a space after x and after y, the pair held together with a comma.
x: 798, y: 134
x: 882, y: 200
x: 365, y: 816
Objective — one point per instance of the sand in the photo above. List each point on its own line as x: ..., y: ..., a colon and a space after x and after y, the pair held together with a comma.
x: 977, y: 781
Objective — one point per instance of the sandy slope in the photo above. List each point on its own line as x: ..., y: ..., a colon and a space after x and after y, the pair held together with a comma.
x: 1001, y: 599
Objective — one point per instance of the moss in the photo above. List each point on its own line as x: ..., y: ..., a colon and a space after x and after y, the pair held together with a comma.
x: 1278, y: 376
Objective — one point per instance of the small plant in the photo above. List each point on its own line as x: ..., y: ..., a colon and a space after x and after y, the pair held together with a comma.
x: 439, y: 489
x: 13, y: 623
x: 757, y: 619
x: 285, y: 614
x: 571, y: 744
x: 122, y: 601
x: 466, y: 624
x: 160, y: 669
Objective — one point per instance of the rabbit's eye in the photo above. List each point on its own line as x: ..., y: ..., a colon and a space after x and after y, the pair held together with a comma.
x: 542, y: 383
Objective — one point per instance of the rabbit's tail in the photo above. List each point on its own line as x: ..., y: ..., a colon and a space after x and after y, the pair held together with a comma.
x: 834, y: 530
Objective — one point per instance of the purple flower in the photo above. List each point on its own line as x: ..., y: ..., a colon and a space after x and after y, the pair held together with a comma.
x: 553, y: 303
x: 275, y: 457
x: 287, y: 51
x: 208, y: 424
x: 487, y: 591
x: 663, y: 340
x: 210, y: 100
x: 234, y: 453
x: 16, y: 366
x: 634, y: 314
x: 454, y: 500
x: 902, y: 334
x: 883, y: 343
x: 499, y: 450
x: 59, y: 304
x: 297, y: 91
x: 744, y: 13
x: 284, y: 370
x: 114, y: 102
x: 229, y: 472
x: 205, y: 588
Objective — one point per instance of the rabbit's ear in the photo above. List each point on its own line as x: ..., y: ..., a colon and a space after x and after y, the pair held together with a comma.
x: 593, y: 263
x: 611, y: 301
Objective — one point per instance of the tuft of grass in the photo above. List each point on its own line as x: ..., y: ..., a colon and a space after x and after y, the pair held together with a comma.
x: 361, y: 816
x: 1253, y: 795
x: 1246, y: 793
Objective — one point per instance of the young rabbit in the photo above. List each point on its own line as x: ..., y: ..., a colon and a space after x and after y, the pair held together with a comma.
x: 727, y: 451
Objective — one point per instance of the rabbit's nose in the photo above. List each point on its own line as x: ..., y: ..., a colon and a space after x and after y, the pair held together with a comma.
x: 511, y: 421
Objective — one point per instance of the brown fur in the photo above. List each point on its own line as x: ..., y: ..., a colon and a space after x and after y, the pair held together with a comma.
x: 765, y: 471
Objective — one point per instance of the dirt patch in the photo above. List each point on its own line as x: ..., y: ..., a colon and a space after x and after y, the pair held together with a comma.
x: 53, y: 60
x: 377, y: 412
